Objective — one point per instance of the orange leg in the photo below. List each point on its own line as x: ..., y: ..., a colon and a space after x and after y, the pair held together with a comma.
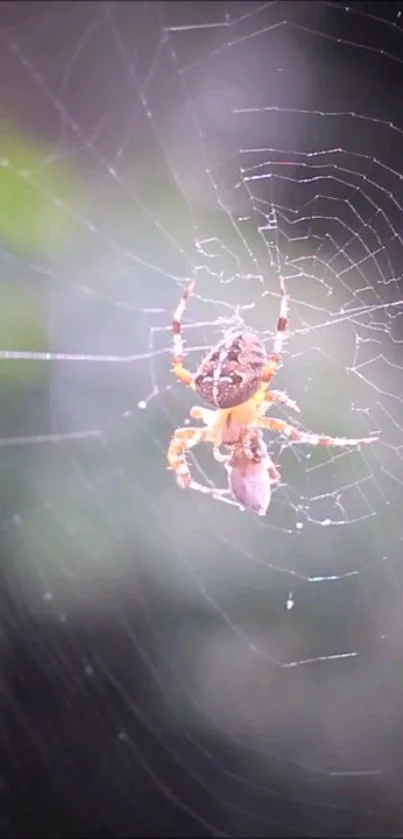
x: 184, y: 439
x: 297, y: 436
x: 281, y: 398
x: 183, y: 375
x: 208, y: 416
x: 205, y: 415
x: 270, y: 370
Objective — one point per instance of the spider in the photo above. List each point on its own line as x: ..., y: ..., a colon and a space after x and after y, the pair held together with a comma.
x: 234, y: 379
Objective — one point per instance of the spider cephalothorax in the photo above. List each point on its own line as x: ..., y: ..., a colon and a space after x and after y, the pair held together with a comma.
x: 234, y: 379
x: 231, y: 372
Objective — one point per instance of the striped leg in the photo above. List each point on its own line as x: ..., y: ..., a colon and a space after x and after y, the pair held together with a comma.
x: 178, y: 355
x: 184, y: 439
x: 279, y: 338
x: 297, y: 436
x: 281, y: 398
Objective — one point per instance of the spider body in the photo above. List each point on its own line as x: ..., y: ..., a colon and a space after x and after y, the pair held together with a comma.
x: 228, y: 426
x: 233, y: 379
x: 231, y: 372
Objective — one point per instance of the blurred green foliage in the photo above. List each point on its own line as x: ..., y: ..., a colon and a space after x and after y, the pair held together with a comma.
x: 33, y: 225
x: 32, y: 182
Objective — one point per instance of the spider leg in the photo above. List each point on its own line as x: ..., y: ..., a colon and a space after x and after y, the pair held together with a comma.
x: 297, y: 436
x: 281, y: 329
x: 182, y: 440
x: 203, y: 414
x: 219, y: 457
x: 277, y: 396
x: 179, y: 370
x: 275, y: 475
x: 208, y: 417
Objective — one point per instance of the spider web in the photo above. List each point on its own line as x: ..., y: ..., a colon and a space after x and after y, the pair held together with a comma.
x: 232, y: 143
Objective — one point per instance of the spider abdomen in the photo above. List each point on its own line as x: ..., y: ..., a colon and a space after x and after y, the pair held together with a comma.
x: 231, y: 372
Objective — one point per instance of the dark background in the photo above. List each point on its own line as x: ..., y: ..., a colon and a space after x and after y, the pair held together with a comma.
x: 152, y: 680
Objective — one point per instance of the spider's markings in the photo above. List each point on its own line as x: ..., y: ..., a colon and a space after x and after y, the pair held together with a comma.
x: 275, y: 355
x: 217, y: 377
